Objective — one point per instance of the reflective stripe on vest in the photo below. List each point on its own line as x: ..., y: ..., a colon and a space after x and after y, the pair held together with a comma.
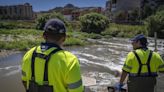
x: 147, y: 63
x: 75, y: 84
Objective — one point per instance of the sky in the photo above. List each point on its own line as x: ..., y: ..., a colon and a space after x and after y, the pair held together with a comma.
x: 43, y: 5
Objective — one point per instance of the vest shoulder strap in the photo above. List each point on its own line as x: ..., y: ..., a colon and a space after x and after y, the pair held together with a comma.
x: 147, y: 63
x: 43, y: 56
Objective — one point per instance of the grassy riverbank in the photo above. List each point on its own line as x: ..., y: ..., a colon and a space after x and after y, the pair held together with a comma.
x: 19, y: 39
x: 123, y: 30
x: 22, y: 39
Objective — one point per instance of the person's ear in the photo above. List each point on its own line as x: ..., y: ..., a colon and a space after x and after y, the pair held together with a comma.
x: 44, y: 35
x: 64, y: 38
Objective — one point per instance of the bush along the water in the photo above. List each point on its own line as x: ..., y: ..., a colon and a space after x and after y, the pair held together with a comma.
x: 155, y: 23
x: 93, y: 23
x: 41, y: 20
x: 120, y: 30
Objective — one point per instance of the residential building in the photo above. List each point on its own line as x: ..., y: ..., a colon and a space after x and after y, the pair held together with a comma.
x: 21, y: 12
x: 120, y: 9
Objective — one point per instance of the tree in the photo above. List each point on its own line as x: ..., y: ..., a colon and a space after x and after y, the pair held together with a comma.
x: 41, y: 20
x: 155, y: 23
x: 135, y: 15
x: 146, y: 11
x: 120, y: 16
x: 93, y: 23
x: 160, y: 8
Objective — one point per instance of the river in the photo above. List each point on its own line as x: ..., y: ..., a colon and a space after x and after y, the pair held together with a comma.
x: 99, y: 63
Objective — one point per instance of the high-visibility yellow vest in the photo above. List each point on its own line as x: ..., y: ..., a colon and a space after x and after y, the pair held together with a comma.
x: 63, y: 70
x: 132, y: 65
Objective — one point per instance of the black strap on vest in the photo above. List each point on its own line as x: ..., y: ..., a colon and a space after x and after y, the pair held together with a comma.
x: 43, y: 56
x: 147, y: 63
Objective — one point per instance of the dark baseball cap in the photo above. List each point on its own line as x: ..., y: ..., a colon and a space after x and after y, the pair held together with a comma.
x: 138, y: 37
x: 55, y: 26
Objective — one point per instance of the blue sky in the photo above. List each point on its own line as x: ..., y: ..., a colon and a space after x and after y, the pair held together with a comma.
x: 41, y: 5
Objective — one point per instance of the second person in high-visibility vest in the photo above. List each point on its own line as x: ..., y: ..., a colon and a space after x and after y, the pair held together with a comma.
x: 141, y: 66
x: 49, y: 68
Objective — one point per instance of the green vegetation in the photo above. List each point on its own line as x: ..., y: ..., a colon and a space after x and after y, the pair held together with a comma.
x: 93, y: 23
x: 80, y: 38
x: 41, y: 20
x: 23, y: 32
x: 121, y: 16
x: 120, y: 30
x: 160, y: 8
x: 22, y: 35
x: 22, y: 39
x: 74, y: 41
x: 155, y: 23
x: 11, y: 24
x: 147, y: 11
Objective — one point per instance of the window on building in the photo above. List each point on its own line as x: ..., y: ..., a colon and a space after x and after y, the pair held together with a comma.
x: 10, y: 10
x: 0, y: 11
x: 15, y: 9
x: 5, y: 11
x: 20, y: 11
x: 114, y: 1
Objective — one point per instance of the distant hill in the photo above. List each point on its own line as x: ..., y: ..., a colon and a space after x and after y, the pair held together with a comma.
x: 60, y: 9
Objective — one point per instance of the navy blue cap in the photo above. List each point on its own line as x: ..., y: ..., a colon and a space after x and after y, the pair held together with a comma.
x: 138, y: 37
x: 55, y: 26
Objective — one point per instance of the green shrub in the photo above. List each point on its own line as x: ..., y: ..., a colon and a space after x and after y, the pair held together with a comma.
x: 41, y: 20
x: 155, y: 23
x: 93, y: 23
x: 120, y: 30
x: 146, y: 11
x: 160, y: 8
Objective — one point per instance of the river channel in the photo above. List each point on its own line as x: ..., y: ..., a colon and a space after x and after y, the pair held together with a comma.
x: 99, y: 63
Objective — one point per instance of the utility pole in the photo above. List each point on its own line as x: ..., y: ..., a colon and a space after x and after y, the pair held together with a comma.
x: 155, y: 41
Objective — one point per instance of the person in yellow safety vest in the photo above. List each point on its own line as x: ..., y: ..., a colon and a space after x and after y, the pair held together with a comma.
x: 49, y: 68
x: 141, y: 66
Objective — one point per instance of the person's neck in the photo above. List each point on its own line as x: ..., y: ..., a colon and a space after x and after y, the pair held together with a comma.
x: 144, y: 48
x: 54, y: 42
